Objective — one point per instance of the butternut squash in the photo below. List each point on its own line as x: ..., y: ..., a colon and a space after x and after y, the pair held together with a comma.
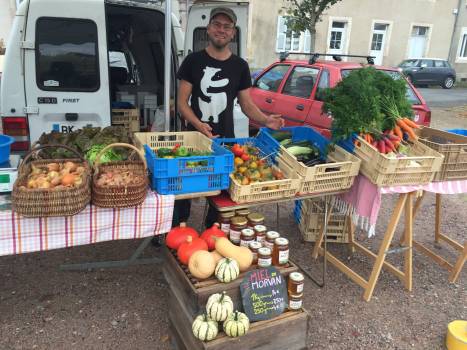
x: 216, y: 256
x: 242, y: 255
x: 202, y: 264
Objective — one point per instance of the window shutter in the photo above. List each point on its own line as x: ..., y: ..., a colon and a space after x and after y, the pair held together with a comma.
x: 307, y: 41
x: 281, y: 36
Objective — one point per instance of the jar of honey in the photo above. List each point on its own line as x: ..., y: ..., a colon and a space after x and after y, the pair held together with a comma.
x: 246, y: 237
x: 243, y: 212
x: 295, y: 283
x: 260, y: 231
x: 280, y: 252
x: 254, y: 246
x: 237, y: 224
x: 224, y: 221
x: 264, y: 257
x: 255, y: 219
x: 295, y: 302
x: 270, y: 238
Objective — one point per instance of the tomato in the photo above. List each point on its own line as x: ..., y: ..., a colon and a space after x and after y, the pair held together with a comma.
x: 245, y: 157
x: 237, y: 150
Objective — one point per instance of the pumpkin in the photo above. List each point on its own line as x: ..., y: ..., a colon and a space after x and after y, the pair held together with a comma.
x: 219, y: 306
x: 236, y: 325
x: 217, y: 257
x: 210, y: 233
x: 204, y: 328
x: 242, y: 255
x: 202, y: 264
x: 227, y: 270
x: 185, y: 250
x: 178, y: 235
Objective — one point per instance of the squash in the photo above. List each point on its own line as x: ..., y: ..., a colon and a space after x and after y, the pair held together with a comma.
x: 227, y: 270
x: 217, y: 257
x: 185, y: 250
x: 202, y: 264
x: 242, y: 255
x: 178, y: 235
x: 219, y: 306
x: 208, y: 235
x: 236, y: 325
x: 204, y: 328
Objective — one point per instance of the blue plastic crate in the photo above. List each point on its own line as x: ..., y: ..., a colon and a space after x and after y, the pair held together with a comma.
x: 297, y: 212
x: 190, y: 184
x: 260, y: 141
x: 458, y: 131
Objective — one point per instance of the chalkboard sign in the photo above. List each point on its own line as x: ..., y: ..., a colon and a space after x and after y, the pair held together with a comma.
x: 264, y: 294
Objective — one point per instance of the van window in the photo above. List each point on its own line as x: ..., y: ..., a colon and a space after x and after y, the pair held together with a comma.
x: 200, y: 40
x: 67, y: 55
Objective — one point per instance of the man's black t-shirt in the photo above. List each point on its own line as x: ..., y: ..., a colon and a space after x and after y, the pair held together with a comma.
x: 215, y: 87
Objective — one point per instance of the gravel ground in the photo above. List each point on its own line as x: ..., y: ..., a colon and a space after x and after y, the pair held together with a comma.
x: 44, y: 308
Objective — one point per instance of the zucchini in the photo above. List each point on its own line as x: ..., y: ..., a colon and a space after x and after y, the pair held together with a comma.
x: 281, y: 135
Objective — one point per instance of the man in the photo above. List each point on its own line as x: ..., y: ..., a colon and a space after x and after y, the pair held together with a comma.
x: 213, y: 78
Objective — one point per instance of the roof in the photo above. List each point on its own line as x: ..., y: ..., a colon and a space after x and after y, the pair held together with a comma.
x: 337, y: 64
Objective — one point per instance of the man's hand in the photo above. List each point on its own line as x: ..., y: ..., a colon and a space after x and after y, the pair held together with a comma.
x: 274, y: 121
x: 206, y: 129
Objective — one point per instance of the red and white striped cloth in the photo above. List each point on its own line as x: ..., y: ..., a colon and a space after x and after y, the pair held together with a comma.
x: 23, y: 235
x: 443, y: 187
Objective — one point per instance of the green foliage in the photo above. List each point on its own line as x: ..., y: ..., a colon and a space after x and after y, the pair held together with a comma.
x: 304, y: 14
x: 359, y: 103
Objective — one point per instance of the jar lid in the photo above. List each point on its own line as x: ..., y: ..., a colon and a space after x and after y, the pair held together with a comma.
x: 264, y: 251
x: 248, y: 232
x: 260, y: 228
x: 227, y: 214
x: 281, y: 241
x: 255, y: 245
x: 243, y: 212
x: 272, y: 235
x: 296, y: 276
x: 256, y: 217
x: 295, y: 296
x: 238, y: 221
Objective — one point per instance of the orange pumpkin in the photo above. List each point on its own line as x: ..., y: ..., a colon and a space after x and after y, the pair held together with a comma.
x: 179, y: 234
x: 209, y: 233
x: 187, y: 248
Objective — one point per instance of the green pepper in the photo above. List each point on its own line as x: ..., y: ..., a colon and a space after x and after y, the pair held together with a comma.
x: 164, y: 152
x: 181, y: 151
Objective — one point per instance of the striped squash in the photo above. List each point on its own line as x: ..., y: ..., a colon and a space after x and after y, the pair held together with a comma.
x: 236, y: 325
x: 204, y: 328
x: 219, y: 306
x: 227, y: 270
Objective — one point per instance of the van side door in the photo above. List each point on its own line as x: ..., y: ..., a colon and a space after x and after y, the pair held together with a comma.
x: 66, y: 67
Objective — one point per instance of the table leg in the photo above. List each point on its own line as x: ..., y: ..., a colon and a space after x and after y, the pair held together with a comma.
x: 384, y: 246
x: 350, y: 227
x: 438, y: 217
x: 321, y: 235
x: 408, y: 232
x: 459, y: 265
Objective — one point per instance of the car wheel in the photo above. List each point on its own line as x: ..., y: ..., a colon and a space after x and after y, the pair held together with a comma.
x: 448, y: 83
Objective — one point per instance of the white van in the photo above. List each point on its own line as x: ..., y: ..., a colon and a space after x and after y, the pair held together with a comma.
x: 69, y: 62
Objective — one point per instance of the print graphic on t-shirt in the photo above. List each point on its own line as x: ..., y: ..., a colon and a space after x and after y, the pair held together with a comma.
x: 217, y: 101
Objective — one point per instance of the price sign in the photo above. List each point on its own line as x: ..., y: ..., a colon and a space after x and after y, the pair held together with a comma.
x: 264, y: 294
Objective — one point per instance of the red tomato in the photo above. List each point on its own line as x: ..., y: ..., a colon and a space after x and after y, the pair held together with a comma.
x: 245, y: 157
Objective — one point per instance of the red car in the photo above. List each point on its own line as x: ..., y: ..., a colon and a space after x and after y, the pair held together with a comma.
x: 294, y: 89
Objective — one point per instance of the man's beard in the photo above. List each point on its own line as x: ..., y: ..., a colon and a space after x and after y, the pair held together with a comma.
x: 217, y: 45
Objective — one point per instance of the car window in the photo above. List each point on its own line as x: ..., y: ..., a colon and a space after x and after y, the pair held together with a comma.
x: 410, y: 93
x: 409, y: 63
x: 426, y: 64
x: 300, y: 82
x: 323, y: 84
x: 440, y: 64
x: 271, y: 80
x: 67, y: 56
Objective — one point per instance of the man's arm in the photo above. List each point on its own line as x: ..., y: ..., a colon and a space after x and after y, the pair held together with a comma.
x: 273, y: 121
x: 184, y: 93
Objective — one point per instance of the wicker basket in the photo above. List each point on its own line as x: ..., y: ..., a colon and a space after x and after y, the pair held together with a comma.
x: 50, y: 202
x: 120, y: 196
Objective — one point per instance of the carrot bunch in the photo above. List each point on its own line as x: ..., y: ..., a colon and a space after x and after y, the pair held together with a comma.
x: 405, y: 129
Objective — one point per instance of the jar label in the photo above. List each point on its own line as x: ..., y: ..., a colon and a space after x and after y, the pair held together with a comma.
x: 244, y: 243
x: 295, y: 304
x: 260, y: 239
x: 225, y: 228
x: 255, y: 256
x: 264, y: 262
x: 299, y: 288
x: 234, y: 236
x: 268, y: 245
x: 283, y: 257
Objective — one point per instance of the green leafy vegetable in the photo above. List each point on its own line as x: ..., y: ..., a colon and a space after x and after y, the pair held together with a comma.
x: 109, y: 155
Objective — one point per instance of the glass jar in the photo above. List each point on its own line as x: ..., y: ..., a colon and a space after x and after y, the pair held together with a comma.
x: 247, y: 236
x: 237, y: 224
x: 243, y: 212
x: 295, y: 283
x: 260, y: 231
x: 224, y: 221
x: 254, y: 246
x: 264, y: 257
x: 280, y: 252
x: 295, y: 302
x: 270, y: 238
x: 255, y: 219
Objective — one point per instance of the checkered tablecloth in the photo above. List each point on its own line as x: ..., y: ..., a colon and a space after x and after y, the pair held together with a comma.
x: 22, y: 235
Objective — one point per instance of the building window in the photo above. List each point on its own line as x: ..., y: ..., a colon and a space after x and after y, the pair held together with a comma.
x: 337, y: 35
x: 291, y: 41
x: 463, y: 50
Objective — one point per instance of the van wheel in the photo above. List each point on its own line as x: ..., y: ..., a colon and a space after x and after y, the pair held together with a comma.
x: 448, y: 83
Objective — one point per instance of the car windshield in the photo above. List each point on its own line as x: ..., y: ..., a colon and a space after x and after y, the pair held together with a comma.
x: 409, y: 63
x: 410, y: 93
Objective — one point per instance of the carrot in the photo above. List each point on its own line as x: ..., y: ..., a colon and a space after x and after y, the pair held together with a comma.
x: 389, y: 145
x: 398, y: 131
x: 370, y: 138
x: 407, y: 129
x: 410, y: 123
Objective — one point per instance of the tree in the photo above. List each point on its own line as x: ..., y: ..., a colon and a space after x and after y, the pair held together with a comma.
x: 304, y: 14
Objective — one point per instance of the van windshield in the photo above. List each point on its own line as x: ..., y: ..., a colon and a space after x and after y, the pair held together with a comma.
x: 410, y: 93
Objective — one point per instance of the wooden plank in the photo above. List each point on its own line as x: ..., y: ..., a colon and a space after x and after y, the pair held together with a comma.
x: 197, y: 195
x: 287, y: 331
x: 438, y: 259
x: 438, y: 217
x: 384, y: 246
x: 320, y: 239
x: 458, y: 266
x: 408, y: 242
x: 451, y: 242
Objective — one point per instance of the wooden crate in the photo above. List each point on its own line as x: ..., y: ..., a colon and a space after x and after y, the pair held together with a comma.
x: 287, y: 331
x: 128, y: 118
x: 194, y: 293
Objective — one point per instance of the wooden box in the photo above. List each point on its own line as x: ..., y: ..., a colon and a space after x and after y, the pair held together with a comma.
x: 194, y: 294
